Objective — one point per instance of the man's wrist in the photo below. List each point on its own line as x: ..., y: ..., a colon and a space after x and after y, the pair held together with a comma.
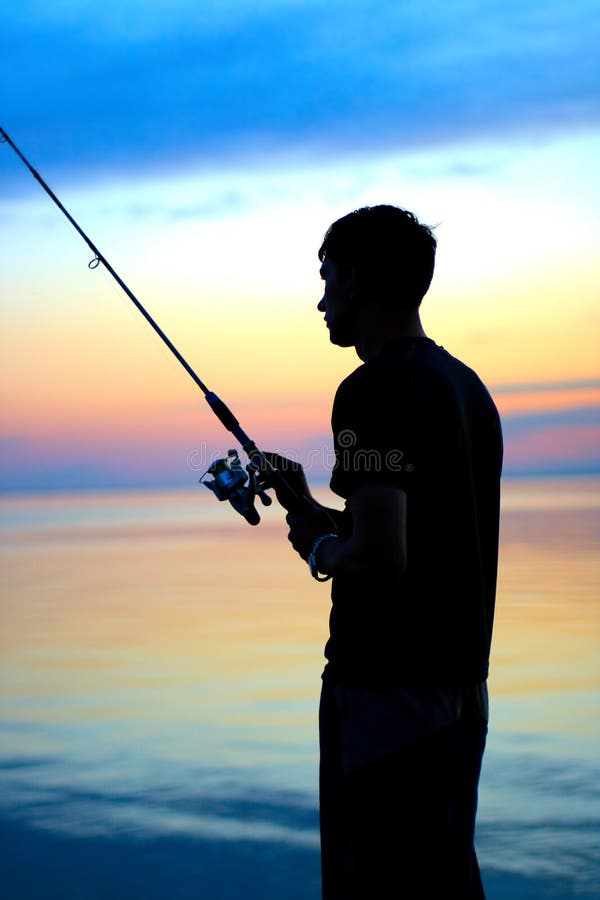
x: 312, y: 556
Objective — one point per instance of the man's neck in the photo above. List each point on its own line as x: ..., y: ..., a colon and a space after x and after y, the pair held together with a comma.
x: 377, y: 328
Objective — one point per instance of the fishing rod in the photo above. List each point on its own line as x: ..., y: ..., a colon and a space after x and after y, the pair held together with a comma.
x: 230, y: 480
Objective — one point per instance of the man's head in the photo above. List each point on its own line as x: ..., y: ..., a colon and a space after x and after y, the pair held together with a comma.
x: 377, y: 254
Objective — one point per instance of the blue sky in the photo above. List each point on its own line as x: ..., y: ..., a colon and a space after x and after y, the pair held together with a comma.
x: 124, y: 84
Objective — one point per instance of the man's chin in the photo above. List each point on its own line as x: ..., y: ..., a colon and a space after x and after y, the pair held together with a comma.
x: 341, y: 340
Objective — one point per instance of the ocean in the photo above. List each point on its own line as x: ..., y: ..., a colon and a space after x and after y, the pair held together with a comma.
x: 161, y: 665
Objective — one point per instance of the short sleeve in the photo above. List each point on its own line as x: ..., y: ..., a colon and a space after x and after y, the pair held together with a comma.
x: 374, y: 433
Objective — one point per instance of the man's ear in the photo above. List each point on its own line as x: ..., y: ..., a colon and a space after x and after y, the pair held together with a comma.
x: 354, y: 283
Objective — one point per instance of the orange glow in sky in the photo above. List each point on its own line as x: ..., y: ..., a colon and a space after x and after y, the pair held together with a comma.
x: 85, y: 379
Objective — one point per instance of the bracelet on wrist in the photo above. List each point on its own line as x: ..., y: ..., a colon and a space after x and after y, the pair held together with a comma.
x: 312, y: 557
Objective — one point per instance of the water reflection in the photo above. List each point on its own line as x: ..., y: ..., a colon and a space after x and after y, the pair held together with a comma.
x: 160, y: 672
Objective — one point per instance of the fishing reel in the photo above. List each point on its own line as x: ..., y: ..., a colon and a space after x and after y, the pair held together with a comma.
x: 231, y: 481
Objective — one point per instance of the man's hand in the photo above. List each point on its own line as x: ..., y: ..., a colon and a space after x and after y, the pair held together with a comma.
x: 292, y: 473
x: 308, y: 522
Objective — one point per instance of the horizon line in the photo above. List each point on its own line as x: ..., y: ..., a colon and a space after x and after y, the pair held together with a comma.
x: 516, y: 474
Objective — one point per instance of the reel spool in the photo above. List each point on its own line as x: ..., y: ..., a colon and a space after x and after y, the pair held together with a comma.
x: 231, y: 481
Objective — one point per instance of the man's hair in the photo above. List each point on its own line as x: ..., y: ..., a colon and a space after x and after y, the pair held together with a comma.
x: 392, y: 252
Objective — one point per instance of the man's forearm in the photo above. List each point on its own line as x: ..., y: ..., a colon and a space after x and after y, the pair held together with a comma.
x: 374, y: 518
x: 342, y: 558
x: 376, y: 547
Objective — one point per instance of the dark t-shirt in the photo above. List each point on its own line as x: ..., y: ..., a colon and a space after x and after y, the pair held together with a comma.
x: 417, y: 418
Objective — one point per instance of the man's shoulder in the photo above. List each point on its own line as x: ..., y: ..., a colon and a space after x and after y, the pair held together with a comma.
x: 419, y: 374
x: 432, y: 371
x: 356, y: 382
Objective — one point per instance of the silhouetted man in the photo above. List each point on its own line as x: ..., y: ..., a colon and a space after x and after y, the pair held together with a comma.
x: 413, y: 559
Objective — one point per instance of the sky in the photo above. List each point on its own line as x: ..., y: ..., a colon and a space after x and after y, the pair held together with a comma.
x: 205, y: 148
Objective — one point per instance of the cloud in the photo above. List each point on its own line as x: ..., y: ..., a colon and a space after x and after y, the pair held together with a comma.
x: 552, y: 441
x: 536, y: 442
x: 99, y: 87
x: 544, y: 387
x: 519, y: 423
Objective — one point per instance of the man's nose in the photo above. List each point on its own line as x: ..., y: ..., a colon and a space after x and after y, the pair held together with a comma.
x: 321, y: 305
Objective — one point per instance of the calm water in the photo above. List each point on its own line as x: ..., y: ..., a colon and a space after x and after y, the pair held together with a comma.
x: 160, y: 678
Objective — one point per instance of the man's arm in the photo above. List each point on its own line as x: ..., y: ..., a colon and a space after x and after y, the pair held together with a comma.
x: 377, y: 545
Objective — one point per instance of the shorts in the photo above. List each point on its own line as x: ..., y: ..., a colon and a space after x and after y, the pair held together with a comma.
x: 399, y: 774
